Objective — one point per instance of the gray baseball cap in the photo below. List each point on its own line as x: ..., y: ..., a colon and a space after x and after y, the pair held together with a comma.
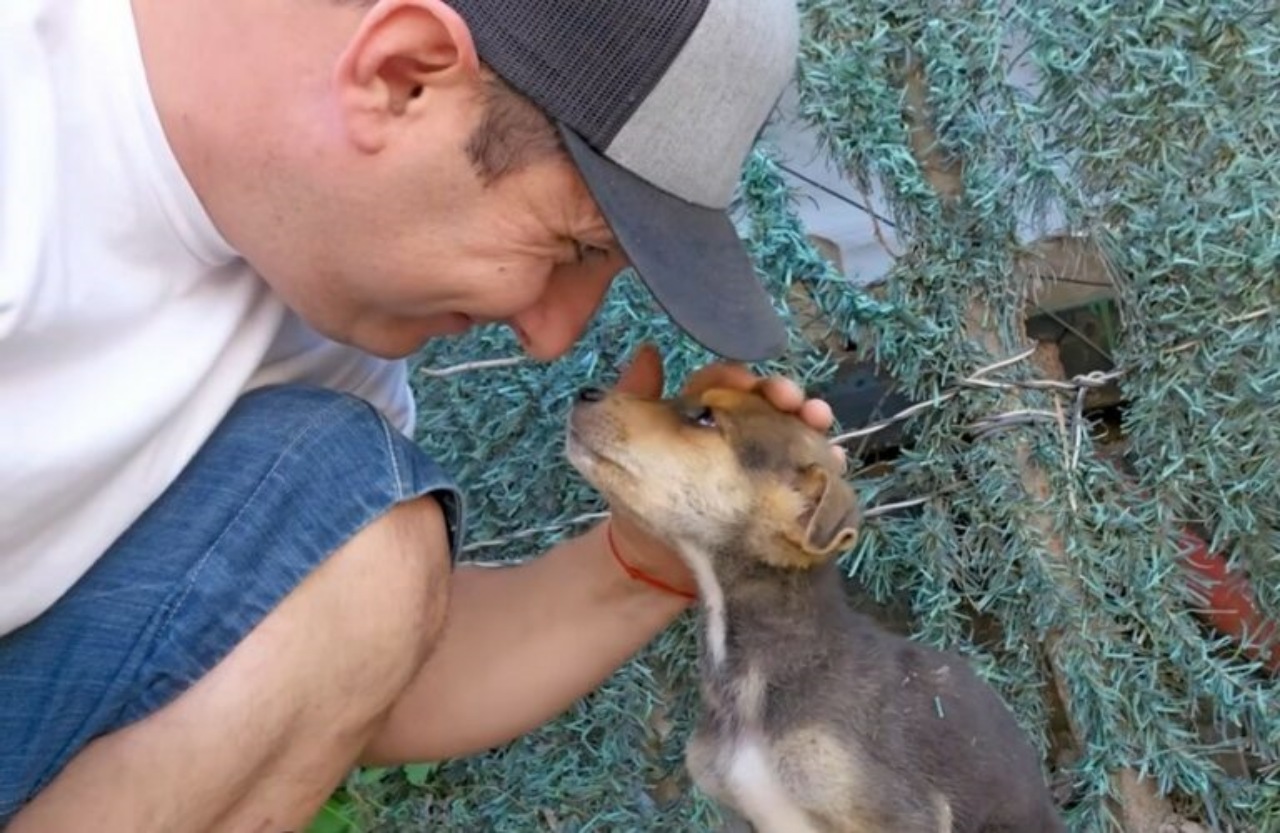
x: 659, y: 102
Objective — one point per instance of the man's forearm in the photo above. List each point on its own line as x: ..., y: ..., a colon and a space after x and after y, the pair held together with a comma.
x: 521, y: 644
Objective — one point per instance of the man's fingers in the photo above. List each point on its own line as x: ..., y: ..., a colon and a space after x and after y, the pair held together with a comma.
x: 817, y: 413
x: 720, y: 375
x: 784, y: 394
x: 644, y: 377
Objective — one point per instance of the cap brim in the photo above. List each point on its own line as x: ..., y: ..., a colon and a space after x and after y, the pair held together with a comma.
x: 689, y: 256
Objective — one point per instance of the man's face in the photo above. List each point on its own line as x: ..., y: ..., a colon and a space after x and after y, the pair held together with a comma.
x: 357, y: 199
x: 403, y: 265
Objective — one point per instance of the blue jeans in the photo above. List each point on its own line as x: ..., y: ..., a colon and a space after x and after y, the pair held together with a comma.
x: 290, y: 475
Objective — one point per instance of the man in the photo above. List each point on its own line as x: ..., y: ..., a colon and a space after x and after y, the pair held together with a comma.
x: 225, y: 569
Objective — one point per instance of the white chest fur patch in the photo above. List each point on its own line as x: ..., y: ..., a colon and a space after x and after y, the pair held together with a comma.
x: 758, y: 794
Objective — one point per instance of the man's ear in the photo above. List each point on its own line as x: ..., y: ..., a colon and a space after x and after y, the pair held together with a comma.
x: 829, y: 522
x: 400, y: 51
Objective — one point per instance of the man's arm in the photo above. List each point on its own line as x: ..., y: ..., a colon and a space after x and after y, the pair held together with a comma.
x: 521, y: 645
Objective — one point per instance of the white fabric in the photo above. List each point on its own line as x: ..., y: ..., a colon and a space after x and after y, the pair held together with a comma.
x: 128, y: 326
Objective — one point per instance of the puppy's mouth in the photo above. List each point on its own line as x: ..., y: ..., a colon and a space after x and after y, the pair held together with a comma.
x: 579, y: 447
x: 591, y: 460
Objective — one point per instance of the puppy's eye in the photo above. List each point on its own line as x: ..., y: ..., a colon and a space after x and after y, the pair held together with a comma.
x: 704, y: 417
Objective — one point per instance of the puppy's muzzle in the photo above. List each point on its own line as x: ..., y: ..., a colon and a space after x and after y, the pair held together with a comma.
x: 591, y: 428
x: 585, y: 411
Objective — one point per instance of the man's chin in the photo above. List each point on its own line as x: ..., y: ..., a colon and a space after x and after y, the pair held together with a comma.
x: 403, y: 339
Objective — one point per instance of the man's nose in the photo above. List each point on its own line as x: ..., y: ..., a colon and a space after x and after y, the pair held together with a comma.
x: 562, y: 314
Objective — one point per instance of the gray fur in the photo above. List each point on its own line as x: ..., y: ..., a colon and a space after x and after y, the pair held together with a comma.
x: 918, y: 720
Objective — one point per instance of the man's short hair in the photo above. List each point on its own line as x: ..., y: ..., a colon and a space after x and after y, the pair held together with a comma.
x: 512, y: 132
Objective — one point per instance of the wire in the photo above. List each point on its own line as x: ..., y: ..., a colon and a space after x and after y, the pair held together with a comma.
x: 847, y: 200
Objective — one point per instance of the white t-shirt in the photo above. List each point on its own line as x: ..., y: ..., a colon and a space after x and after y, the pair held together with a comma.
x: 128, y: 326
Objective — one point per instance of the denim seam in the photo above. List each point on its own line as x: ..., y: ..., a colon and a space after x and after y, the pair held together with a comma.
x: 392, y: 456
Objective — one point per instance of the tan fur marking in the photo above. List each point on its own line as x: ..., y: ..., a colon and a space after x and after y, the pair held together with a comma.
x: 815, y: 768
x: 648, y: 456
x: 776, y: 511
x: 759, y: 793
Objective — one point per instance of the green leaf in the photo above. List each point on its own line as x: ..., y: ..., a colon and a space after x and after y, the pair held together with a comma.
x: 417, y: 774
x: 332, y: 819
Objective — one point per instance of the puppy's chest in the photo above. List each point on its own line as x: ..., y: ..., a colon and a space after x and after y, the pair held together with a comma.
x: 737, y: 758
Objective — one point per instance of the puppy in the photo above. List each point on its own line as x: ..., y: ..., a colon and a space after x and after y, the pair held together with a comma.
x: 814, y: 719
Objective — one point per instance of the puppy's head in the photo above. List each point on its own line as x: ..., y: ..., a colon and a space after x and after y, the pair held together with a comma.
x: 723, y: 471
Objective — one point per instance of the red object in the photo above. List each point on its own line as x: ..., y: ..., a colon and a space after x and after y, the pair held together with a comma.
x: 1229, y: 605
x: 639, y: 575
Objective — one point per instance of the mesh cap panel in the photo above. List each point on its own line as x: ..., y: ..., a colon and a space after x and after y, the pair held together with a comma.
x: 587, y: 63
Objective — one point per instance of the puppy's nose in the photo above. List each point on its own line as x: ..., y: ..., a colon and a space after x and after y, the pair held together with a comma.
x: 590, y: 395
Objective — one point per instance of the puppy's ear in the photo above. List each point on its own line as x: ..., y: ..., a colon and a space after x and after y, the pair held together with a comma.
x: 829, y: 522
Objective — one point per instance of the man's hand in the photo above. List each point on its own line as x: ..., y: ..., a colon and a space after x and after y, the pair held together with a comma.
x: 644, y: 377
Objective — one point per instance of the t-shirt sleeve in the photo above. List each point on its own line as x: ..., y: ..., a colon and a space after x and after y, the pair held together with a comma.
x: 299, y: 355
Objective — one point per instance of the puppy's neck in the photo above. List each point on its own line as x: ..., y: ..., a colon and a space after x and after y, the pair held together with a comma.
x: 747, y: 602
x: 701, y: 561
